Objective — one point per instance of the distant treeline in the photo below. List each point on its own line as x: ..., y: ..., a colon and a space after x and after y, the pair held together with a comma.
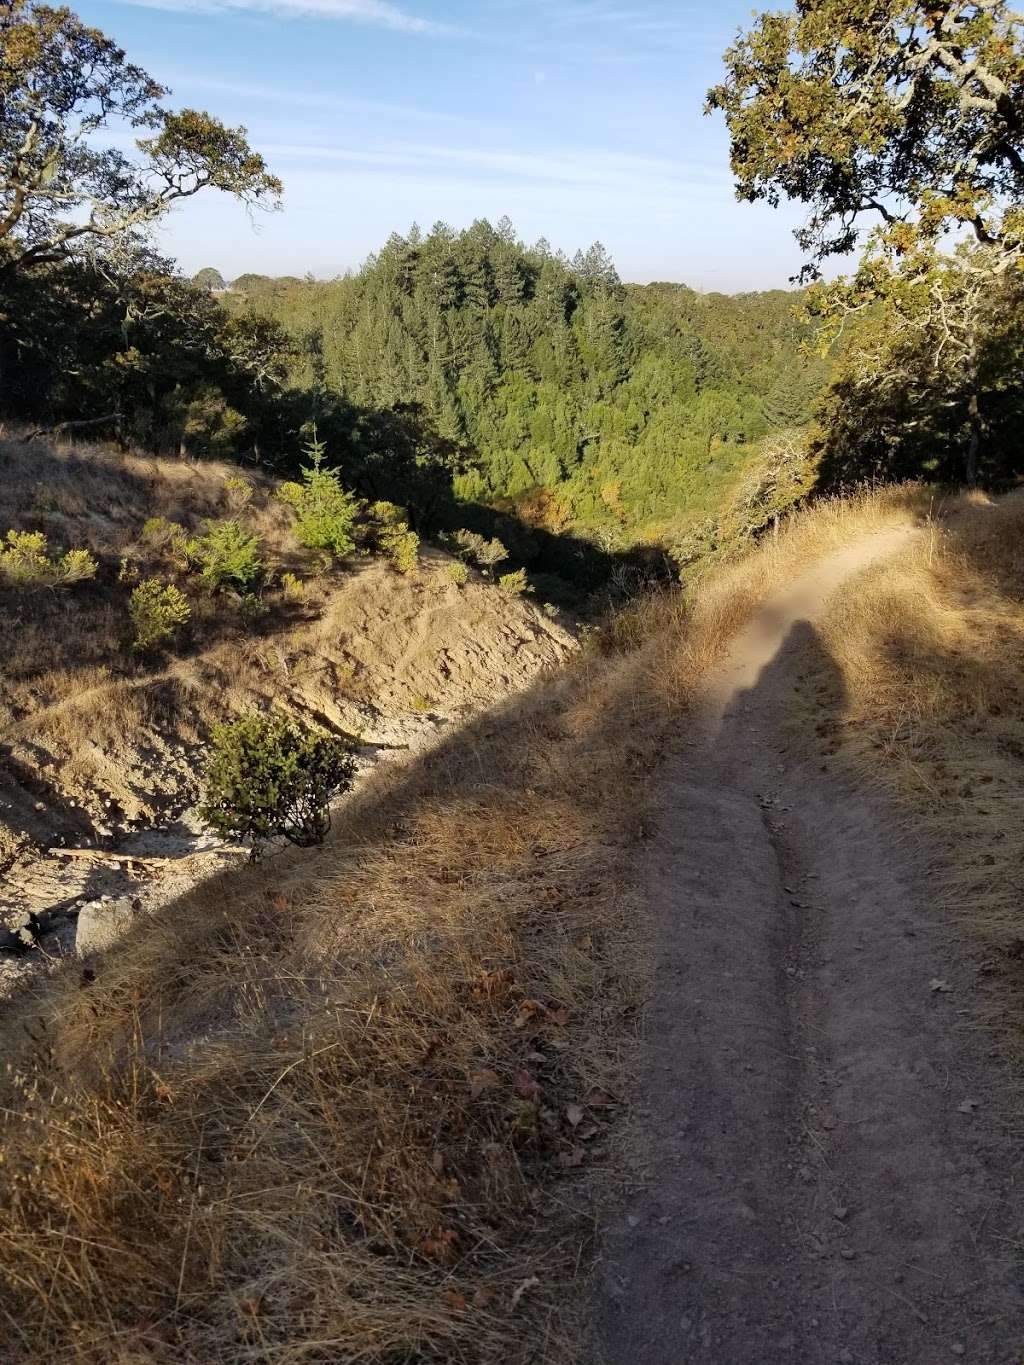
x: 588, y: 401
x: 468, y: 378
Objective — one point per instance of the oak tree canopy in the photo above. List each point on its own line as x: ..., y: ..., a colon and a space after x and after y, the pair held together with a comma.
x: 893, y: 112
x: 65, y: 88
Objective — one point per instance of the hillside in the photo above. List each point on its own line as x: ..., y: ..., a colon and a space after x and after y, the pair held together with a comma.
x: 378, y: 1094
x: 588, y: 402
x: 511, y: 790
x: 465, y: 377
x: 103, y: 744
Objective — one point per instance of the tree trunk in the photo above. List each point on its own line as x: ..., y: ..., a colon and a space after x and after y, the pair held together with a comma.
x: 974, y: 441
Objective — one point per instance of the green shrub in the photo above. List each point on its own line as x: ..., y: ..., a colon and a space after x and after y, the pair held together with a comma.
x: 485, y: 554
x: 292, y: 588
x: 128, y: 569
x: 25, y: 562
x: 227, y: 556
x: 171, y: 539
x: 270, y: 776
x: 402, y: 546
x: 515, y: 584
x: 458, y: 572
x: 157, y: 610
x: 208, y: 424
x: 325, y: 512
x: 386, y: 531
x: 238, y: 491
x: 156, y: 530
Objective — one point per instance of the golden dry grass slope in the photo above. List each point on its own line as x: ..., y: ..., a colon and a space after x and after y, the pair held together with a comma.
x: 362, y: 1104
x: 927, y: 703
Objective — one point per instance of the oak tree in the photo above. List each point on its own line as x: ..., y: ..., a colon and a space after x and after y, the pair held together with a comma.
x: 903, y: 114
x: 63, y: 85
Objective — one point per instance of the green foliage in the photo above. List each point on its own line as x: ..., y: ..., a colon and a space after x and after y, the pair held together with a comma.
x: 238, y: 490
x: 270, y: 776
x: 535, y: 374
x: 458, y: 573
x: 401, y: 546
x: 929, y: 381
x: 910, y: 122
x: 157, y: 610
x: 26, y: 563
x: 208, y: 278
x: 514, y: 584
x: 477, y: 549
x: 293, y: 588
x: 387, y: 531
x: 227, y: 556
x: 209, y: 425
x: 170, y: 541
x: 325, y: 512
x: 909, y: 115
x: 64, y: 83
x: 783, y: 474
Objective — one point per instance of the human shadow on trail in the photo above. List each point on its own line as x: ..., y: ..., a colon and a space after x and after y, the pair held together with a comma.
x: 800, y: 688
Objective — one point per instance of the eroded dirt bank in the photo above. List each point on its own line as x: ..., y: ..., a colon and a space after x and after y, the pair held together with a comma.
x: 85, y: 816
x: 829, y: 1176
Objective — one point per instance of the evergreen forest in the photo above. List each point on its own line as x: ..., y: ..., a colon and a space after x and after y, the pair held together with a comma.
x: 582, y: 401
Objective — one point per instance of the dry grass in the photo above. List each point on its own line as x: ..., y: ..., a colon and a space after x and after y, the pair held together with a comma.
x: 358, y: 1105
x: 930, y: 654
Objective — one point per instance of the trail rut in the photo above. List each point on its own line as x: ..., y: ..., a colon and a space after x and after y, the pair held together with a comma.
x: 829, y: 1176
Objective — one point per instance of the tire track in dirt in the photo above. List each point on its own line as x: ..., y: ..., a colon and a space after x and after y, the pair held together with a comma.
x: 828, y: 1176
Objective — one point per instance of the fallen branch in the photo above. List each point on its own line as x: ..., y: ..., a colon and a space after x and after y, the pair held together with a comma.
x: 80, y: 425
x: 110, y: 856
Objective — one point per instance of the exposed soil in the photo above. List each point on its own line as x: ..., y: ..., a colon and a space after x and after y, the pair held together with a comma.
x: 829, y: 1174
x: 398, y: 662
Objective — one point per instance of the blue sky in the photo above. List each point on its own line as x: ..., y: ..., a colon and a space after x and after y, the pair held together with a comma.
x: 580, y: 119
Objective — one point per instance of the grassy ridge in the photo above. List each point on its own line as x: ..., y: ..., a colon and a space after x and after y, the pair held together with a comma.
x: 360, y: 1105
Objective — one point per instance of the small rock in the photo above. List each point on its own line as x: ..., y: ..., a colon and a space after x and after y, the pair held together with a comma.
x: 100, y: 924
x: 845, y: 1358
x: 958, y: 1348
x: 847, y: 1253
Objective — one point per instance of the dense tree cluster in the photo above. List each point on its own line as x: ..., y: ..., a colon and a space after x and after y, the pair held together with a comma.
x: 584, y: 400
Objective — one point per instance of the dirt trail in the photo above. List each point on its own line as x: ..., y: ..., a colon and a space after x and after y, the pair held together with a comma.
x: 829, y: 1176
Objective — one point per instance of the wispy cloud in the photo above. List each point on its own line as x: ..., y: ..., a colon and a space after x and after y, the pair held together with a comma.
x: 381, y: 13
x: 260, y: 94
x: 614, y: 173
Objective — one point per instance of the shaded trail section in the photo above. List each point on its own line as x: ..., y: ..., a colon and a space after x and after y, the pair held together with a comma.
x: 827, y: 1178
